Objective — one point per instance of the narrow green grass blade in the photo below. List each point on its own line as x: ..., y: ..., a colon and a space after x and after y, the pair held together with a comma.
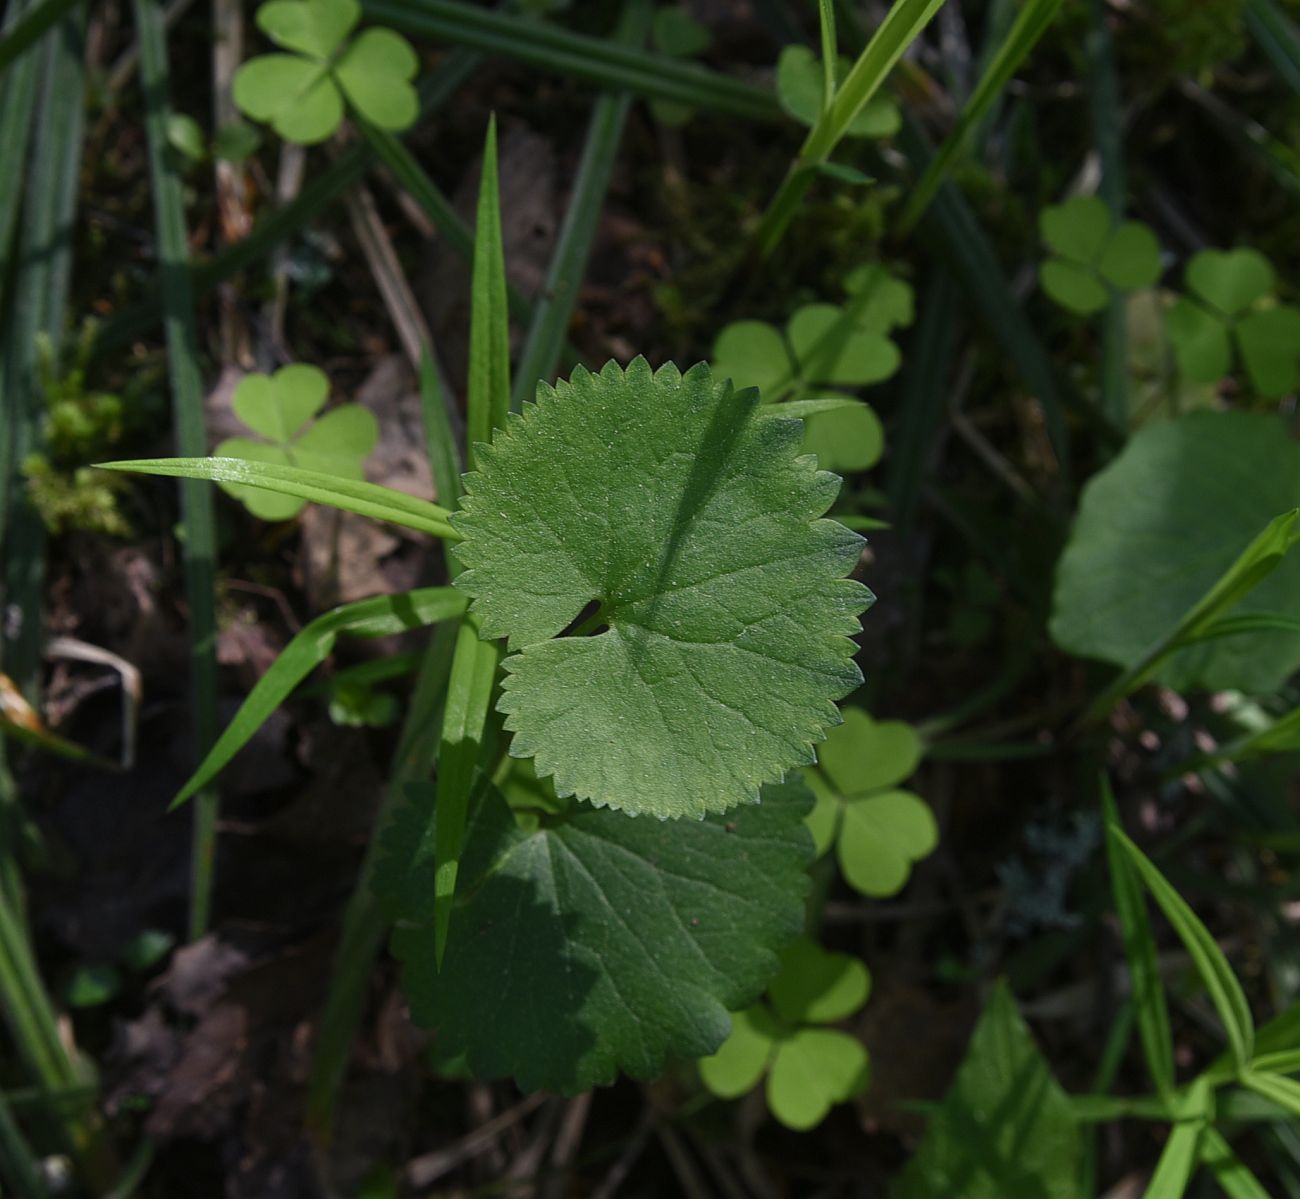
x: 469, y: 697
x: 365, y: 499
x: 554, y: 309
x: 1285, y: 1092
x: 578, y: 56
x: 959, y: 245
x: 489, y: 333
x: 830, y: 50
x: 26, y: 32
x: 444, y: 452
x: 364, y: 923
x: 272, y: 230
x: 19, y: 1168
x: 1230, y: 1172
x: 1287, y: 1061
x: 1140, y: 951
x: 1277, y: 35
x: 1178, y: 1161
x: 1030, y: 25
x: 37, y: 311
x: 17, y: 98
x: 1224, y: 990
x: 1278, y: 1036
x: 197, y: 514
x: 1254, y: 564
x: 382, y: 616
x: 902, y: 25
x: 1112, y: 1057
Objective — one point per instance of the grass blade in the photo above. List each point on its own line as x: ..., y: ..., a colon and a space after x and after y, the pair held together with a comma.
x: 444, y: 452
x: 902, y: 25
x: 1140, y: 951
x: 365, y: 499
x: 489, y: 334
x: 578, y: 56
x: 17, y: 98
x: 382, y: 616
x: 27, y: 30
x: 1030, y: 25
x: 1285, y: 1092
x: 197, y: 513
x: 546, y: 332
x: 1178, y: 1161
x: 19, y: 1169
x: 364, y: 923
x: 1225, y: 991
x: 1278, y: 37
x: 1230, y: 1172
x: 469, y: 696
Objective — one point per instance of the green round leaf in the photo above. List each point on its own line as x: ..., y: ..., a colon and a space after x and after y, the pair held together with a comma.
x: 845, y: 439
x: 147, y: 948
x: 864, y: 755
x: 816, y: 986
x: 1078, y: 229
x: 312, y: 27
x: 742, y: 1058
x: 824, y: 819
x: 799, y: 83
x: 689, y: 516
x: 1155, y: 531
x: 186, y: 135
x: 1074, y: 287
x: 375, y: 73
x: 1131, y: 259
x: 236, y: 142
x: 1201, y: 342
x: 830, y: 348
x: 674, y: 31
x: 811, y: 1072
x: 296, y: 96
x: 880, y: 117
x: 881, y: 836
x: 1270, y: 347
x: 598, y: 942
x: 265, y: 505
x: 278, y: 406
x: 338, y: 443
x: 1230, y: 280
x: 891, y: 301
x: 753, y: 354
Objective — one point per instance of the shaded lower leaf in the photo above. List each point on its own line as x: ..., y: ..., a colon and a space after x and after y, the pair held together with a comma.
x: 1073, y: 286
x: 1005, y: 1128
x: 743, y: 1057
x: 598, y: 942
x: 816, y: 986
x: 1200, y: 340
x: 1270, y: 348
x: 848, y: 438
x: 882, y: 835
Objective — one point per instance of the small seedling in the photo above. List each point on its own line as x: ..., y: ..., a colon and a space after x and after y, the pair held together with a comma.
x: 281, y: 408
x: 1231, y: 305
x: 301, y: 94
x: 877, y: 829
x: 809, y: 1068
x: 1093, y: 257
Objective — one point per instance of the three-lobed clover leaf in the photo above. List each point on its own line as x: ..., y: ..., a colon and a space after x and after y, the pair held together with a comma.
x: 592, y: 942
x: 800, y: 88
x: 877, y: 829
x: 1093, y: 255
x: 686, y: 515
x: 1232, y: 291
x: 809, y: 1069
x: 301, y: 94
x: 281, y: 408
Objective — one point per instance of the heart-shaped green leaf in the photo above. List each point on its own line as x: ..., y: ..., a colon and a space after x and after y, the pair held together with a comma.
x: 690, y: 519
x: 881, y: 836
x: 1131, y: 259
x: 597, y: 942
x: 296, y: 96
x: 812, y: 1071
x: 1078, y: 229
x: 864, y: 755
x: 1074, y: 287
x: 815, y: 986
x: 278, y: 406
x: 753, y: 354
x: 265, y: 505
x: 882, y: 301
x: 674, y: 31
x: 845, y: 439
x: 800, y: 85
x: 1201, y: 341
x: 831, y: 348
x: 743, y: 1057
x: 315, y: 28
x: 375, y: 72
x: 1269, y: 341
x: 1230, y: 280
x: 1159, y: 526
x: 338, y: 443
